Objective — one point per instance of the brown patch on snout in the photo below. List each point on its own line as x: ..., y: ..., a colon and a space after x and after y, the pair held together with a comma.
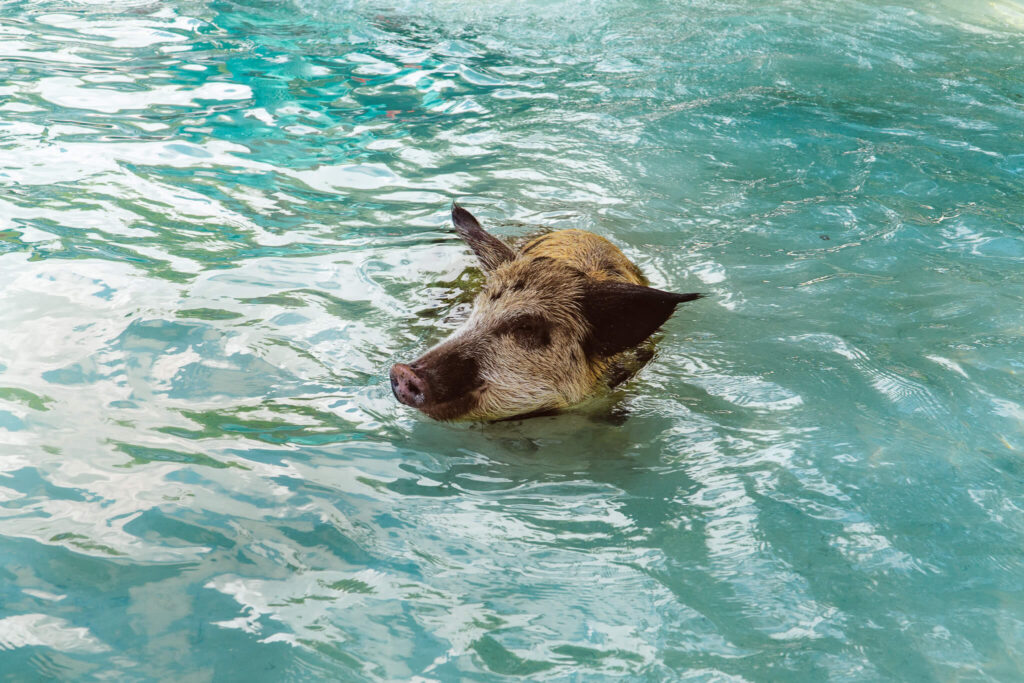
x: 442, y: 383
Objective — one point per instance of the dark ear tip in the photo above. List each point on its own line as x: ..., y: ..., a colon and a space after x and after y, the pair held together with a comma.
x: 461, y: 214
x: 691, y: 296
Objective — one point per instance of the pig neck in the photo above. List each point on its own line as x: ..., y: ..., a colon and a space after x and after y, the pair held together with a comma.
x: 592, y: 254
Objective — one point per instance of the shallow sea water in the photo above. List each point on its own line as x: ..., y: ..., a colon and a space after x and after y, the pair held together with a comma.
x: 221, y: 222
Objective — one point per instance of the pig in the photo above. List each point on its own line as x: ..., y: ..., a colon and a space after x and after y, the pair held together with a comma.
x: 557, y: 322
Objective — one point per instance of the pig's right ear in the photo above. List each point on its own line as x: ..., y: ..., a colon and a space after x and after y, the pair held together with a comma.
x: 491, y: 251
x: 622, y: 315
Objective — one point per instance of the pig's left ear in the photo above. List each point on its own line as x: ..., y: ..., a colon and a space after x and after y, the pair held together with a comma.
x: 622, y: 315
x: 491, y: 251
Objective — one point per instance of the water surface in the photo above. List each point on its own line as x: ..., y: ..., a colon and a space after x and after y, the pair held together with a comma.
x: 220, y: 223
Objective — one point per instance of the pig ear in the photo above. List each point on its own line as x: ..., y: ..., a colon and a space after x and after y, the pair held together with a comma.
x: 491, y: 251
x: 622, y: 315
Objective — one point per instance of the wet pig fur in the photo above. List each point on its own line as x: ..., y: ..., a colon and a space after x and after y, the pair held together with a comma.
x: 555, y: 323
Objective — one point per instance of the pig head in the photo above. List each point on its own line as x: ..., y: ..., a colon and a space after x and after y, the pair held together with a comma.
x: 544, y: 332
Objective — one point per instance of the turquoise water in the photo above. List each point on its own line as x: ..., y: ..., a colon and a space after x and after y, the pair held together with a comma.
x: 221, y: 223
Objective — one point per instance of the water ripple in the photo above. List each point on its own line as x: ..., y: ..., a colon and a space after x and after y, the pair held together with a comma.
x: 221, y: 223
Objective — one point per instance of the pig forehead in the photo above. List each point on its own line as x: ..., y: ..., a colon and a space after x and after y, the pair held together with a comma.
x: 531, y: 287
x: 541, y: 275
x: 513, y: 293
x: 527, y: 301
x: 487, y: 312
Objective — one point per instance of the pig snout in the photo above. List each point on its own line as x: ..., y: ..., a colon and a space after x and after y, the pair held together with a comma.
x: 441, y: 383
x: 408, y: 387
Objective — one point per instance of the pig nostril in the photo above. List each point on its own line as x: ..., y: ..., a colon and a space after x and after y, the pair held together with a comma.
x: 414, y: 388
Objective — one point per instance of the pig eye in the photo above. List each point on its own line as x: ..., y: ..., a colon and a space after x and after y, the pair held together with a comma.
x: 529, y: 331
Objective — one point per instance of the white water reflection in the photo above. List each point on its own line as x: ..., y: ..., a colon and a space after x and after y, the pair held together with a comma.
x: 41, y: 630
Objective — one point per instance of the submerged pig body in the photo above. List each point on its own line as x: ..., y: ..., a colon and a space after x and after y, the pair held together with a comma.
x: 553, y: 325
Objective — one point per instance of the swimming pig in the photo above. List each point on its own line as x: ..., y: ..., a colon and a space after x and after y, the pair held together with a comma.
x: 554, y: 323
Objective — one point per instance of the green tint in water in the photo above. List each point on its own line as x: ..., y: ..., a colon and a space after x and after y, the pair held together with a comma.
x: 221, y: 223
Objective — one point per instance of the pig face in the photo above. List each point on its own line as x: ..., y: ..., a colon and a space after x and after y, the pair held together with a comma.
x: 542, y: 333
